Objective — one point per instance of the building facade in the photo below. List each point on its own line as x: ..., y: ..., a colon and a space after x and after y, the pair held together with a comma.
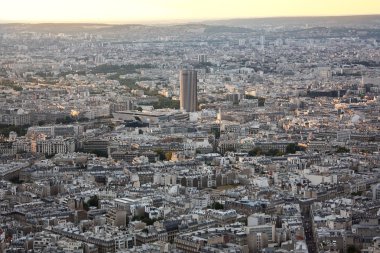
x: 188, y: 90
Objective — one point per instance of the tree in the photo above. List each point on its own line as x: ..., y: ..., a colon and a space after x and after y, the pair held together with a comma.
x: 99, y: 153
x: 65, y: 120
x: 291, y: 148
x: 144, y: 218
x: 217, y: 206
x: 120, y: 69
x: 160, y: 153
x: 273, y: 152
x: 15, y: 180
x: 84, y: 119
x: 168, y: 156
x: 261, y: 101
x: 20, y: 130
x: 342, y: 150
x: 352, y: 249
x: 49, y: 156
x: 148, y: 221
x: 255, y: 151
x: 164, y: 102
x: 93, y: 201
x: 216, y: 132
x: 86, y: 207
x: 359, y: 193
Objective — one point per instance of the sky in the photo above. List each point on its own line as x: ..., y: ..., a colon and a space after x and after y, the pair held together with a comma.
x: 145, y: 11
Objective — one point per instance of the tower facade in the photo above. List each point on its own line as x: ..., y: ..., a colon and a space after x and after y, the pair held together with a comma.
x: 188, y: 90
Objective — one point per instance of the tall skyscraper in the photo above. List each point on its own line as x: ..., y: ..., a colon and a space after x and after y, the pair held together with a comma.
x: 188, y: 90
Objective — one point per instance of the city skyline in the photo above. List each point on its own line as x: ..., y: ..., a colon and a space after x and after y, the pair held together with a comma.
x: 240, y: 135
x: 166, y: 11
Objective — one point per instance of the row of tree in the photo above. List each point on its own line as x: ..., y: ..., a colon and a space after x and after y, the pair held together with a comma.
x: 120, y: 69
x: 291, y: 148
x: 164, y: 102
x: 20, y: 130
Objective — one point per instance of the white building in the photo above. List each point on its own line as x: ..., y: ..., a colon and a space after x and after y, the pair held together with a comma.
x: 55, y: 146
x: 376, y: 192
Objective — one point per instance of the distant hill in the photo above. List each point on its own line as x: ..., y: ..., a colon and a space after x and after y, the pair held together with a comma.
x: 303, y: 26
x: 104, y: 28
x: 328, y: 21
x: 126, y: 32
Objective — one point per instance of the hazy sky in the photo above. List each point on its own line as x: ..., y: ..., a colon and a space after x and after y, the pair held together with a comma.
x: 127, y: 11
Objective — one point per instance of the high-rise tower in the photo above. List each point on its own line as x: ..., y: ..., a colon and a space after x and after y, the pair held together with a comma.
x: 188, y: 90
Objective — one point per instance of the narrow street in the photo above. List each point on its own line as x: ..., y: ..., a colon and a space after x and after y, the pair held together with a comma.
x: 307, y: 225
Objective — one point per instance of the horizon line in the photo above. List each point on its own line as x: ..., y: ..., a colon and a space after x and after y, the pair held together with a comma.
x: 176, y: 21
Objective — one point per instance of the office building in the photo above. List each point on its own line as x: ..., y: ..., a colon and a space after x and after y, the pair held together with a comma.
x: 188, y: 90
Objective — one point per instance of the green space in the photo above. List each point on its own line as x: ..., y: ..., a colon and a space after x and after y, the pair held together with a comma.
x: 341, y: 150
x: 290, y: 149
x: 120, y: 69
x: 92, y: 202
x: 144, y: 218
x: 164, y: 102
x: 11, y: 85
x: 6, y: 129
x: 217, y: 206
x: 163, y: 156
